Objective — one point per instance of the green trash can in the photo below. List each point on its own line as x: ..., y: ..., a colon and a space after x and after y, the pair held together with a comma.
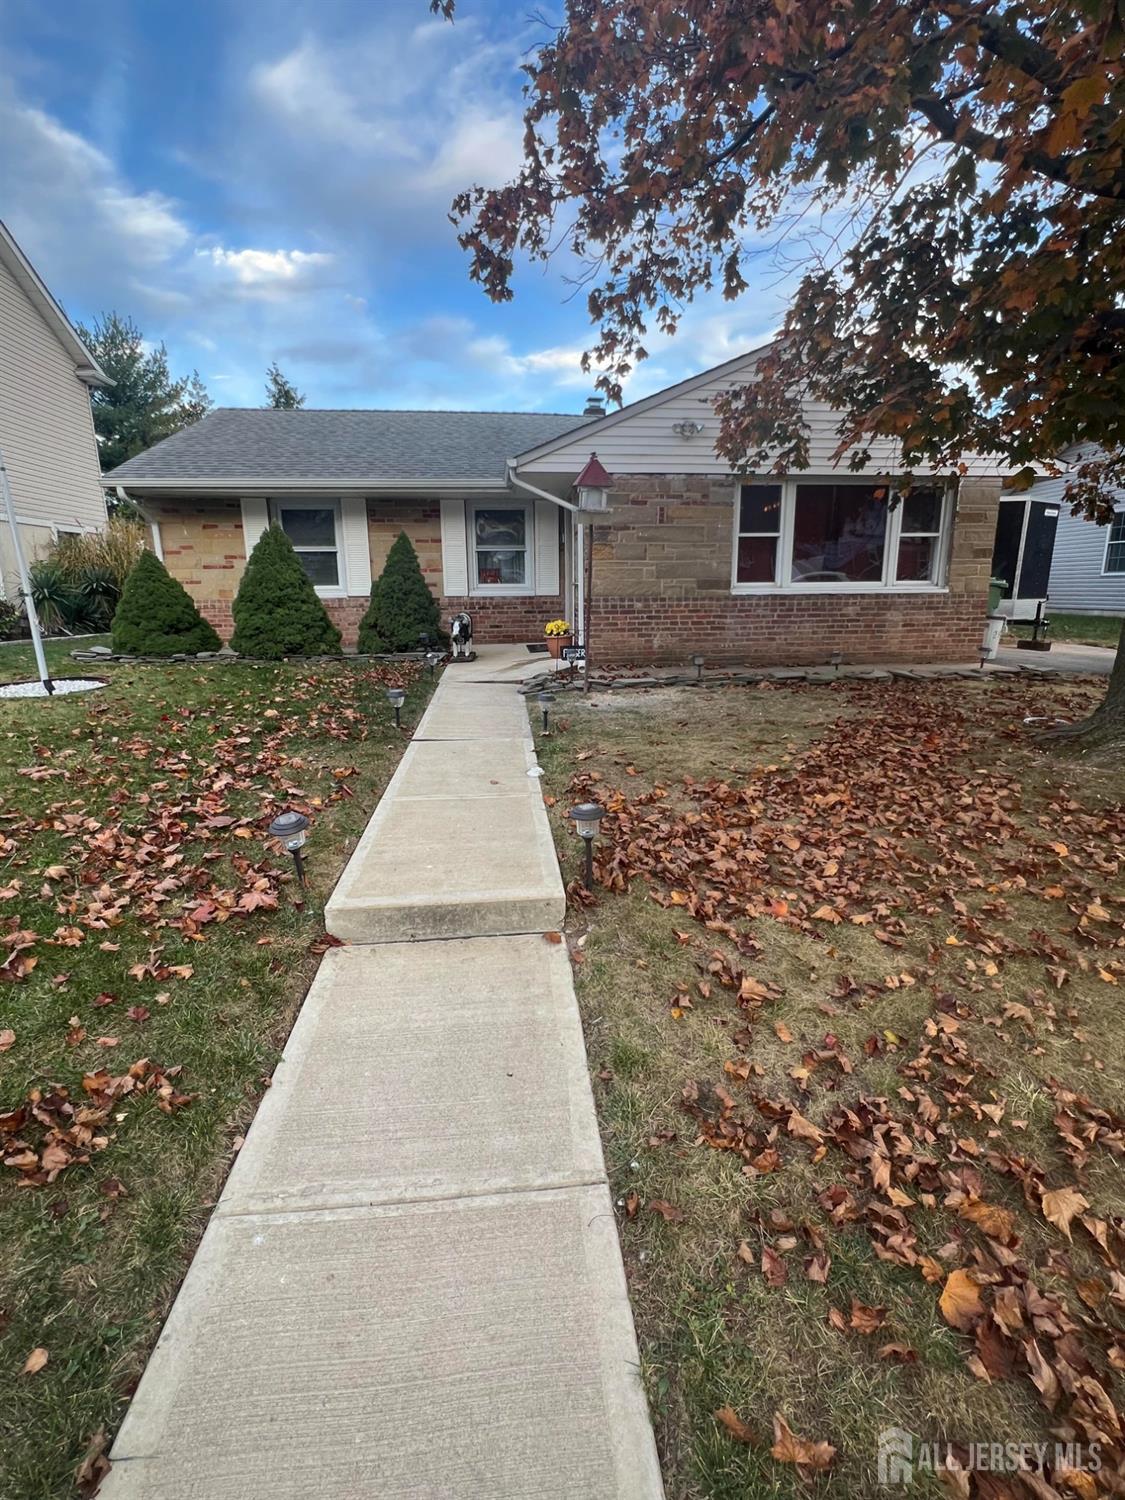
x: 996, y: 587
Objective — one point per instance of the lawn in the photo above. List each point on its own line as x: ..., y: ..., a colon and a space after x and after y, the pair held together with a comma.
x: 157, y: 948
x: 1082, y: 630
x: 851, y: 984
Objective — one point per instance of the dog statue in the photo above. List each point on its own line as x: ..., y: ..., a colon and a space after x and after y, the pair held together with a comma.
x: 461, y: 636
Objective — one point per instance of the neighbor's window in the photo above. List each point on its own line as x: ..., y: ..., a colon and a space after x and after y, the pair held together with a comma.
x: 500, y: 546
x: 313, y: 531
x: 1115, y: 546
x: 759, y: 532
x: 919, y: 539
x: 839, y: 533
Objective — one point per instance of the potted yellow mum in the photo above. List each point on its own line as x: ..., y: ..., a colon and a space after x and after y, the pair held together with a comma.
x: 558, y: 635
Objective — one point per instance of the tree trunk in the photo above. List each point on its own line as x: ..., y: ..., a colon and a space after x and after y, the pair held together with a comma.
x: 1106, y: 725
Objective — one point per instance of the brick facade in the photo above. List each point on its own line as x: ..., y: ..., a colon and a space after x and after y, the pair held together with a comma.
x: 662, y: 588
x: 661, y: 582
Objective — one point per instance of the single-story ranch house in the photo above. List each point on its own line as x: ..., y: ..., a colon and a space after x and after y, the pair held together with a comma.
x: 686, y: 557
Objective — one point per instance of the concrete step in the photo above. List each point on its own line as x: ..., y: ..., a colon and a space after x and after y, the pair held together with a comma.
x: 471, y: 1349
x: 425, y: 1070
x: 459, y: 846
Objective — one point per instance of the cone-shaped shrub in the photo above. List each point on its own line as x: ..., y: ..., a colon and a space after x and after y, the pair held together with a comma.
x: 402, y: 609
x: 156, y: 616
x: 277, y: 612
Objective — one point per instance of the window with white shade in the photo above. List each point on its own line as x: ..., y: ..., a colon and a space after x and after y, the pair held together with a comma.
x: 314, y: 529
x: 501, y: 549
x: 820, y: 535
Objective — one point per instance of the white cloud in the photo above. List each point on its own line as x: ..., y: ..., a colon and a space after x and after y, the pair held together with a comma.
x: 268, y: 273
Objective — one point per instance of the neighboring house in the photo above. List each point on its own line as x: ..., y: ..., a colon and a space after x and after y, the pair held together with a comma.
x: 46, y: 425
x: 685, y: 557
x: 1088, y: 565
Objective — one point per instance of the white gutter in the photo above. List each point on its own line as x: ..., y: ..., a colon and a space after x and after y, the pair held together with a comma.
x: 533, y: 489
x: 192, y: 488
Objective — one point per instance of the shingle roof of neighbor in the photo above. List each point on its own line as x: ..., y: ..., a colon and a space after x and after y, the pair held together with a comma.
x: 247, y: 443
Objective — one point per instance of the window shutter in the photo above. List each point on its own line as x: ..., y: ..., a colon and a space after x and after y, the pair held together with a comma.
x: 546, y: 547
x: 454, y: 549
x: 255, y: 519
x: 356, y: 572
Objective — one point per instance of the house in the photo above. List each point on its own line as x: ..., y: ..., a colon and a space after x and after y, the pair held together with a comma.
x: 46, y: 425
x: 679, y: 556
x: 1087, y: 574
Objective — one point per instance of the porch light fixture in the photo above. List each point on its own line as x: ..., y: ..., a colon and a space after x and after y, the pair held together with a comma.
x: 290, y: 829
x: 396, y: 697
x: 592, y: 485
x: 586, y: 817
x: 545, y: 700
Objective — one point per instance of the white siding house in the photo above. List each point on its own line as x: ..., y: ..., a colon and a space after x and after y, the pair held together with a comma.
x: 1088, y: 564
x: 46, y: 425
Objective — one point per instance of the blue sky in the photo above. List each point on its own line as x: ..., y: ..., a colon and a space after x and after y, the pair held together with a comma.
x: 254, y: 181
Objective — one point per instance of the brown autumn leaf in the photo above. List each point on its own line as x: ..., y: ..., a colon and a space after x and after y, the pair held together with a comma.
x: 782, y: 1031
x: 997, y: 1223
x: 810, y: 1457
x: 817, y: 1266
x: 667, y: 1211
x: 7, y: 1039
x: 867, y: 1319
x: 1042, y: 1376
x: 1060, y: 1206
x: 734, y: 1424
x: 804, y: 1129
x: 35, y: 1361
x: 900, y: 1354
x: 960, y: 1301
x: 552, y: 937
x: 774, y: 1268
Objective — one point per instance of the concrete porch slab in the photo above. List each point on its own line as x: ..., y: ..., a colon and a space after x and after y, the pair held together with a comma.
x: 425, y: 1070
x: 461, y: 1350
x: 450, y: 866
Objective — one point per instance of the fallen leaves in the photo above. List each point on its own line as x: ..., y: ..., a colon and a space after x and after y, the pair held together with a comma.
x: 35, y: 1362
x: 960, y: 1300
x: 809, y: 1457
x: 1060, y: 1205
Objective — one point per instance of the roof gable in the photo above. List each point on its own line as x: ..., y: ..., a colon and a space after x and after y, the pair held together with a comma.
x: 37, y: 293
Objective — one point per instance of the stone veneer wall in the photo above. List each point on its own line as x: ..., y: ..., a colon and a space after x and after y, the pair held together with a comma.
x: 662, y: 588
x: 203, y: 547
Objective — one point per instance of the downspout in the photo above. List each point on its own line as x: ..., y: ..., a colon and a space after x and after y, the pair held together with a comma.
x: 153, y: 526
x: 532, y: 489
x: 579, y: 544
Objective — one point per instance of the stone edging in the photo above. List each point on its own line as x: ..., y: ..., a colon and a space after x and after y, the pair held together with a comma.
x: 798, y: 674
x: 104, y: 656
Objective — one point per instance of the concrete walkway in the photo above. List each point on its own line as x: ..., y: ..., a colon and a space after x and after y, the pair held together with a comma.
x: 411, y: 1285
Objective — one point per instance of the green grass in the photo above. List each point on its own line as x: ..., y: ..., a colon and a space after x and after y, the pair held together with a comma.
x: 17, y: 658
x: 712, y: 1331
x: 154, y: 792
x: 1081, y: 630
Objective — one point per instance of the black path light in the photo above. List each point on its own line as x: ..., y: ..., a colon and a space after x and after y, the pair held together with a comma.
x: 290, y: 828
x: 586, y: 817
x: 396, y: 698
x: 432, y: 659
x: 697, y: 663
x: 545, y: 701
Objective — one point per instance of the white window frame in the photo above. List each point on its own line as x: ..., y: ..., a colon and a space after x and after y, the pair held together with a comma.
x: 887, y: 584
x: 339, y: 589
x: 1107, y: 571
x: 502, y: 590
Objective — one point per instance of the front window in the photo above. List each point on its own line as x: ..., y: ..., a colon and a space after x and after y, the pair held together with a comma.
x: 313, y: 530
x: 839, y: 533
x: 1115, y: 546
x: 829, y: 534
x: 500, y: 547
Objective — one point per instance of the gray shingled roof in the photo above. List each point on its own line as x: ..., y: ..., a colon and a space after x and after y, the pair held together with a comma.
x: 246, y: 443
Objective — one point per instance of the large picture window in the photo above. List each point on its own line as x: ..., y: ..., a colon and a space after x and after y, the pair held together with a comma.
x: 1115, y: 545
x: 501, y: 551
x: 822, y: 534
x: 313, y: 528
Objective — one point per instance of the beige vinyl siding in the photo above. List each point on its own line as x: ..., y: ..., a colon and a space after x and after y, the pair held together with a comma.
x: 644, y: 441
x: 46, y: 426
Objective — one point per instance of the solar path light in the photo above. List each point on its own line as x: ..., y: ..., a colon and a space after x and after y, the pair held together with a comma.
x: 290, y: 827
x: 432, y: 659
x: 396, y: 698
x: 545, y: 700
x: 586, y: 817
x: 697, y: 663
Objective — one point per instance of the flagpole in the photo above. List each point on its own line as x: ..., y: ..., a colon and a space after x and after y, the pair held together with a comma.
x: 25, y: 579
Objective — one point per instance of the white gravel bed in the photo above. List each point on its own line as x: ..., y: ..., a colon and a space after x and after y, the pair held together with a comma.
x: 62, y: 685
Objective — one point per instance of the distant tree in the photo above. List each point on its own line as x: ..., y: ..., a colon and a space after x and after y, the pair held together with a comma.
x: 156, y: 616
x: 277, y: 611
x: 282, y: 393
x: 966, y: 159
x: 144, y: 404
x: 402, y: 608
